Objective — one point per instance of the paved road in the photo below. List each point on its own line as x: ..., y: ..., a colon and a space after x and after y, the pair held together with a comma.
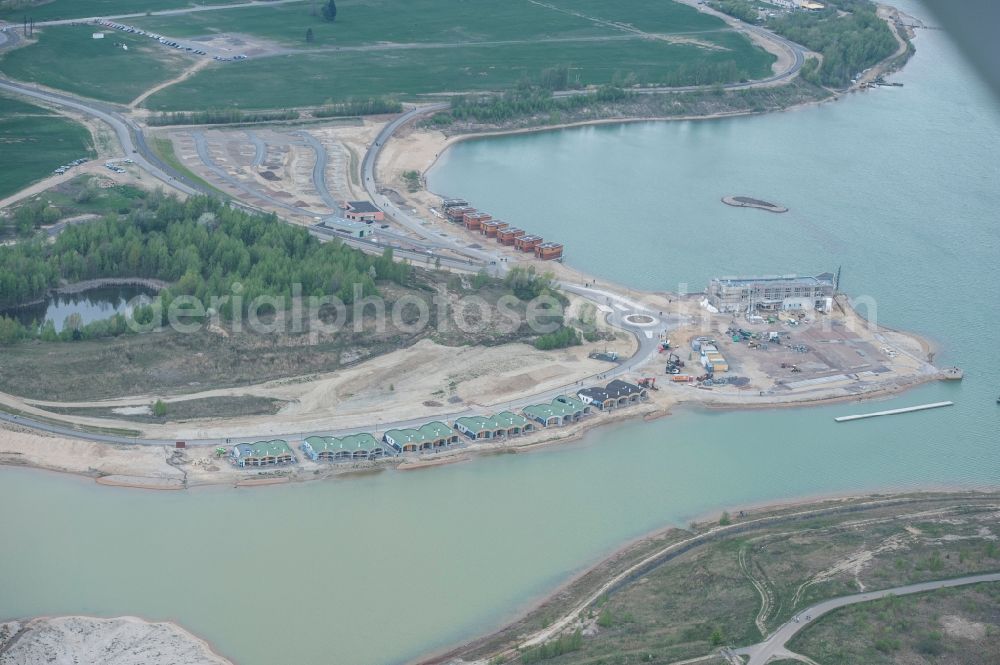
x: 129, y: 135
x: 429, y: 247
x: 403, y: 217
x: 797, y: 51
x: 774, y: 646
x: 319, y: 171
x: 648, y: 347
x: 260, y: 148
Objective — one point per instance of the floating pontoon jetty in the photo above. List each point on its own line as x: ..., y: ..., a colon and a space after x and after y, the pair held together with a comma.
x: 893, y: 412
x: 749, y: 202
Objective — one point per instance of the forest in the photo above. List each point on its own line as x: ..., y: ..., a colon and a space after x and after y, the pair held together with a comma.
x: 202, y: 247
x: 849, y: 43
x: 849, y: 35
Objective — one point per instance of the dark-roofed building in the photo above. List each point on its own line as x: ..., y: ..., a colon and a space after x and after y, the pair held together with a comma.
x: 363, y: 211
x: 625, y: 392
x: 597, y: 397
x: 615, y: 394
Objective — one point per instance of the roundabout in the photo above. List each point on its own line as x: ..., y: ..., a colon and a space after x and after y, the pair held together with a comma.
x: 639, y: 319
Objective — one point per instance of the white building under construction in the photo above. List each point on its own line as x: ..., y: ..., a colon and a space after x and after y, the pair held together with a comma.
x: 772, y: 293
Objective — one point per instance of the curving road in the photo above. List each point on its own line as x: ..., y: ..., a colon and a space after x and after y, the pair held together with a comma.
x: 429, y: 245
x: 260, y: 148
x: 648, y: 347
x: 774, y: 646
x: 129, y: 134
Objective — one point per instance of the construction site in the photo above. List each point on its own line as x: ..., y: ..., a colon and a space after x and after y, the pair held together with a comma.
x: 296, y: 172
x: 793, y: 356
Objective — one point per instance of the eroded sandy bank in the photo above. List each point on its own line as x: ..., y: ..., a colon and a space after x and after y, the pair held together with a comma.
x: 82, y: 639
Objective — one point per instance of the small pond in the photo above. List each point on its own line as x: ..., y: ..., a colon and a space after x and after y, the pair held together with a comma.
x: 92, y: 305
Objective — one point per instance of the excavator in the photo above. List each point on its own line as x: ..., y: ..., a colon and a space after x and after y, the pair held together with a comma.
x: 674, y: 364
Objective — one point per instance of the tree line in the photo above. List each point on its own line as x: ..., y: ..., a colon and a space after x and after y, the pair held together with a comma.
x: 521, y: 102
x: 370, y: 106
x: 219, y: 117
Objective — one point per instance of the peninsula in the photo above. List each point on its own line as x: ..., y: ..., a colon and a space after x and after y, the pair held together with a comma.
x: 127, y: 411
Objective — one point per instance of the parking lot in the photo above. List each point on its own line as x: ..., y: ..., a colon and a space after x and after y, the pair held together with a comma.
x: 220, y: 47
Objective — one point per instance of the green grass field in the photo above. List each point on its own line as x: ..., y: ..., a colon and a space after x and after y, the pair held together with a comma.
x: 33, y: 141
x: 446, y: 46
x: 373, y: 21
x: 300, y: 80
x: 452, y: 21
x: 49, y: 10
x: 67, y: 58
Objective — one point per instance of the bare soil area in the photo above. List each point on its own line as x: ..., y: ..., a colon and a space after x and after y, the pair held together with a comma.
x: 122, y: 640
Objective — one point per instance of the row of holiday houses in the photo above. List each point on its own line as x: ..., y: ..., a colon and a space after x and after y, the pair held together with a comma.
x: 438, y: 435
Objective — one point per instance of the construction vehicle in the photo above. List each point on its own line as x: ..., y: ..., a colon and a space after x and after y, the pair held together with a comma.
x: 674, y: 364
x: 648, y: 382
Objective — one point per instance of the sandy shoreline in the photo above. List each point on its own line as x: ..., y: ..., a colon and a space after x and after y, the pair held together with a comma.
x: 704, y: 525
x: 160, y: 468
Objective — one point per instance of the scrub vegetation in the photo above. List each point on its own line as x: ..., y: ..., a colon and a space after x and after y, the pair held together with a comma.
x: 959, y: 626
x: 33, y: 141
x: 207, y: 407
x: 732, y: 590
x: 82, y: 195
x: 534, y: 106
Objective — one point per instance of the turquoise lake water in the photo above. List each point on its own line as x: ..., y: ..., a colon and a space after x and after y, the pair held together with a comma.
x: 900, y: 186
